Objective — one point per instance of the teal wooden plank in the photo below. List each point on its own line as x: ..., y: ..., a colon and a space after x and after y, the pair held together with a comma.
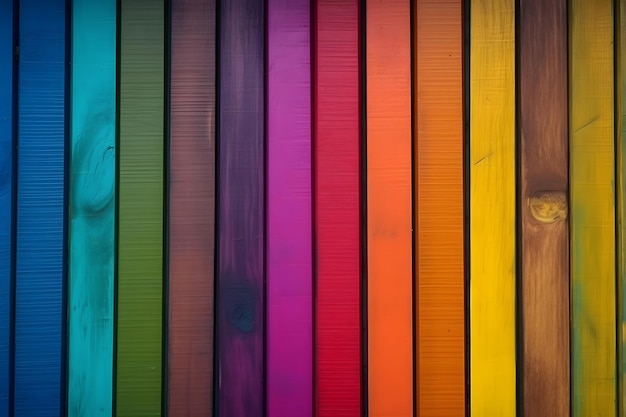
x: 92, y: 209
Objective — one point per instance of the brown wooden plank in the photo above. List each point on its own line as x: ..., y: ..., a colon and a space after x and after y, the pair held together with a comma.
x: 544, y: 228
x: 191, y: 204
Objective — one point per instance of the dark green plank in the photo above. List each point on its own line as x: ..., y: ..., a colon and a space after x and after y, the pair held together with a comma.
x: 140, y: 246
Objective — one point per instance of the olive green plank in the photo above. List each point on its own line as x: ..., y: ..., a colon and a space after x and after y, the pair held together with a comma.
x: 140, y: 244
x: 592, y: 204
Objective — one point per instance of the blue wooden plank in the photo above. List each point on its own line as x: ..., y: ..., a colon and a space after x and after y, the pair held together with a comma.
x: 40, y: 210
x: 6, y: 192
x: 92, y: 209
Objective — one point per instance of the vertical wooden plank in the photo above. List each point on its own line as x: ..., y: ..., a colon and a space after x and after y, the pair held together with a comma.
x: 492, y: 208
x: 191, y: 208
x: 240, y: 270
x: 543, y: 207
x: 289, y: 227
x: 337, y: 134
x: 140, y: 222
x: 620, y: 114
x: 389, y: 219
x: 7, y: 178
x: 40, y: 259
x: 592, y: 208
x: 92, y: 208
x: 438, y: 182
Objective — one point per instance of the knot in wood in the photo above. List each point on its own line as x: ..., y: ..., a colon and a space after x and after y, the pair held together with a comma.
x: 548, y: 206
x: 240, y: 307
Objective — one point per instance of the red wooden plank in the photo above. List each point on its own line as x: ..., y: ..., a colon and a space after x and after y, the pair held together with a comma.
x: 337, y: 207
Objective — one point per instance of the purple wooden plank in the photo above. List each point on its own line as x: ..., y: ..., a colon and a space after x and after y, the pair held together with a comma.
x: 289, y: 355
x: 240, y: 290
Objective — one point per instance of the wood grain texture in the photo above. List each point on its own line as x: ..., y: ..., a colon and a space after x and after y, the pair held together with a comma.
x: 41, y: 235
x: 337, y: 142
x: 492, y: 208
x: 140, y: 222
x: 592, y: 199
x: 7, y: 178
x: 240, y: 270
x: 543, y: 207
x: 438, y: 182
x: 92, y: 209
x: 191, y: 208
x: 389, y: 218
x: 289, y: 205
x: 620, y: 112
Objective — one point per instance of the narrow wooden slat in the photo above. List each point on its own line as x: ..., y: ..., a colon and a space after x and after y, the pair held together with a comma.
x: 92, y: 209
x: 191, y: 208
x: 140, y: 222
x: 7, y: 177
x: 543, y: 207
x: 438, y: 182
x: 592, y: 208
x: 289, y: 228
x: 389, y: 247
x: 620, y: 112
x: 337, y: 208
x: 240, y: 263
x: 492, y: 208
x: 40, y: 258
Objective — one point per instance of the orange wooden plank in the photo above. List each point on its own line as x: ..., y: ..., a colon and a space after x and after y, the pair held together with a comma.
x: 389, y: 268
x: 438, y: 168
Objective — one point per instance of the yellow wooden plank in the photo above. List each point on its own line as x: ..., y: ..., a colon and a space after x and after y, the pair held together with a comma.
x: 492, y: 208
x: 592, y: 208
x: 620, y: 108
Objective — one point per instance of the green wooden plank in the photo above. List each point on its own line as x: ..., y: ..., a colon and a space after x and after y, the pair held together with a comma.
x: 92, y: 209
x: 140, y: 245
x: 592, y: 203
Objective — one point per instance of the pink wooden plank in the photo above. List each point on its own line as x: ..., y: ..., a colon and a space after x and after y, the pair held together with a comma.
x: 289, y: 239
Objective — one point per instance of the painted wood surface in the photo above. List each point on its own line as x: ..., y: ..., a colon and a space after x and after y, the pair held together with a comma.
x: 543, y: 207
x: 492, y: 208
x: 438, y: 209
x: 40, y: 258
x: 389, y: 209
x: 592, y: 225
x: 191, y: 208
x: 289, y: 205
x: 620, y: 112
x: 92, y: 209
x: 337, y: 142
x: 240, y: 256
x: 140, y: 210
x: 7, y: 178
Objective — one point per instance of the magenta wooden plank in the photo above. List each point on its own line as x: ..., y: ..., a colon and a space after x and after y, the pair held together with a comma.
x: 240, y: 222
x: 289, y: 251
